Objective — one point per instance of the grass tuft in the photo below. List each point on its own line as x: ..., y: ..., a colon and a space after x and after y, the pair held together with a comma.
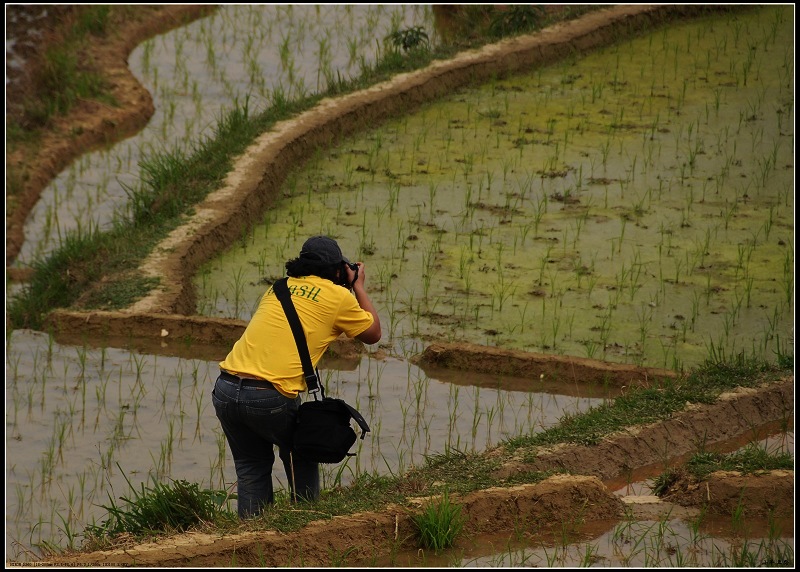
x: 748, y: 460
x: 439, y: 524
x: 162, y: 508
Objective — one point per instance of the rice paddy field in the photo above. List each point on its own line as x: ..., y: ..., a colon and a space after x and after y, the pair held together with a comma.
x: 634, y: 205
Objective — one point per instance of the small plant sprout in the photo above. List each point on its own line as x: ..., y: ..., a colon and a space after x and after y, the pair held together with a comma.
x: 440, y: 523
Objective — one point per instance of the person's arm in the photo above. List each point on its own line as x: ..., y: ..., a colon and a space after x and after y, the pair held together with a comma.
x: 372, y: 334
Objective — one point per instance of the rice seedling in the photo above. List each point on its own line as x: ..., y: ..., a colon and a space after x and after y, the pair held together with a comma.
x: 440, y: 523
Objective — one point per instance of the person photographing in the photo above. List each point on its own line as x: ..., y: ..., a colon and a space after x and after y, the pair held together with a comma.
x: 257, y: 393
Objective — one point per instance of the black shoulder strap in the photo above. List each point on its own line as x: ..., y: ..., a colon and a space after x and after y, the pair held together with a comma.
x: 285, y: 297
x: 358, y: 418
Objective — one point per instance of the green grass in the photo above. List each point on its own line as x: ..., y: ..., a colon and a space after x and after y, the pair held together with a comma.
x: 749, y: 460
x: 119, y: 291
x: 161, y: 508
x: 409, y: 38
x: 440, y: 523
x: 647, y: 405
x: 511, y: 20
x: 516, y: 19
x: 60, y: 77
x: 62, y: 83
x: 89, y: 264
x: 94, y: 20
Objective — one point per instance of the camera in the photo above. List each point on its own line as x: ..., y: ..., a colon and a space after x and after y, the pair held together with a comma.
x: 354, y: 267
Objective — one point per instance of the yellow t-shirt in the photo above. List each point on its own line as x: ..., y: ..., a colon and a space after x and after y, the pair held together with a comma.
x: 267, y: 349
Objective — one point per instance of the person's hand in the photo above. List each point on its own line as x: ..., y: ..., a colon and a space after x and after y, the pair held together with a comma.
x: 371, y: 335
x: 357, y: 276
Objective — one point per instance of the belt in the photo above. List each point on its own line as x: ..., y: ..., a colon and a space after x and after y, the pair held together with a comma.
x: 246, y: 381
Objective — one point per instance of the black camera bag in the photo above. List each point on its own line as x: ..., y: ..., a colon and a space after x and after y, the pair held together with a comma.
x: 323, y: 433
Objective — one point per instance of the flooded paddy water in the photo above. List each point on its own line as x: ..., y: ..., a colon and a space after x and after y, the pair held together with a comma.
x: 633, y: 206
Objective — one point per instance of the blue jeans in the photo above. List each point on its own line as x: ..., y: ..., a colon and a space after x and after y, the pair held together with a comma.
x: 254, y: 420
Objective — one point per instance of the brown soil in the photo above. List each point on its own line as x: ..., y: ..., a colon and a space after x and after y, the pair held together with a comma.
x: 370, y: 535
x: 165, y: 318
x: 516, y: 363
x: 765, y: 494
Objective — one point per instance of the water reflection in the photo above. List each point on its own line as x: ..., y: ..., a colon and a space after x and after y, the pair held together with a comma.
x: 695, y: 540
x: 654, y: 544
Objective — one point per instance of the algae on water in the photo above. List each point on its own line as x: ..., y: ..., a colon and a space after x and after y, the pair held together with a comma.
x: 633, y: 205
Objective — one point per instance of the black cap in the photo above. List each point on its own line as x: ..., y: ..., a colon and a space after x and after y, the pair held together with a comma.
x: 322, y: 249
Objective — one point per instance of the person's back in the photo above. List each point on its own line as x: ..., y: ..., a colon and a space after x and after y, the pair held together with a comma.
x: 256, y: 395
